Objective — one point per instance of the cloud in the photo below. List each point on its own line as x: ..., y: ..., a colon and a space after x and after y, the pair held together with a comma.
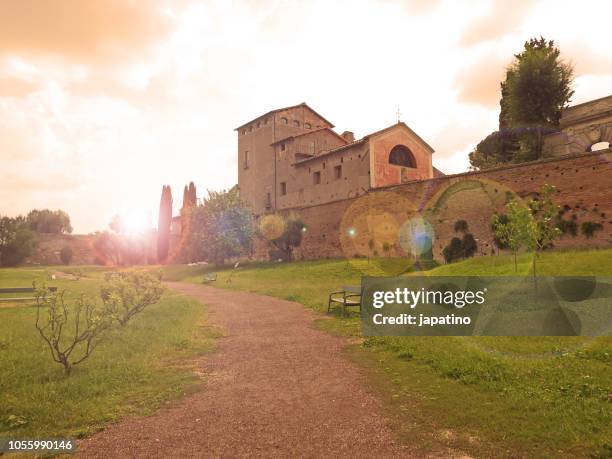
x: 586, y: 61
x: 479, y: 82
x: 503, y: 18
x: 15, y: 87
x: 86, y: 31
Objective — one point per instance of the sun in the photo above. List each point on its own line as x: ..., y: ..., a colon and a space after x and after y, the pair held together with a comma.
x: 132, y: 222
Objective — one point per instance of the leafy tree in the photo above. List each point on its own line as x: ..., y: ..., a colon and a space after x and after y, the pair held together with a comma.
x: 218, y: 229
x: 536, y: 90
x: 66, y: 255
x: 16, y: 241
x: 73, y: 332
x: 290, y: 236
x: 509, y: 228
x: 165, y: 220
x: 533, y: 226
x: 538, y: 86
x: 49, y: 221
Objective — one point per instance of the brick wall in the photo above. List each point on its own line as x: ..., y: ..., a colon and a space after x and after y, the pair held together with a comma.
x: 48, y: 248
x: 378, y: 222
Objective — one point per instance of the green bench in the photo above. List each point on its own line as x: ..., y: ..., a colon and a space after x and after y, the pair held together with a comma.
x: 19, y: 290
x: 350, y: 295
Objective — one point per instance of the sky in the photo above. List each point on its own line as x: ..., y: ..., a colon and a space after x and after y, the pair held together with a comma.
x: 104, y: 101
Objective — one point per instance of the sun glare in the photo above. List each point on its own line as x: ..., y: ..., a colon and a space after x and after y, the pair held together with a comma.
x: 135, y: 223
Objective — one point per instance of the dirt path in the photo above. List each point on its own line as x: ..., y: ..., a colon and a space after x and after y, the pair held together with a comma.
x: 276, y: 387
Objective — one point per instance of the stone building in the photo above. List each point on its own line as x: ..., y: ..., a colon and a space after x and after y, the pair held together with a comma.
x: 584, y: 127
x: 291, y: 157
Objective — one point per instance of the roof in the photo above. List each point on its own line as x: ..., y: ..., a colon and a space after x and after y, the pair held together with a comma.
x: 303, y: 104
x: 308, y: 133
x: 366, y: 137
x: 438, y: 173
x: 404, y: 125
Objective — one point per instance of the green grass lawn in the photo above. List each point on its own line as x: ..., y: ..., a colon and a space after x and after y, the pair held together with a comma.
x: 488, y: 396
x: 133, y: 371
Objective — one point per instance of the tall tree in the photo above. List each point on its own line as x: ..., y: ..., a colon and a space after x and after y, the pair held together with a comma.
x: 536, y: 90
x: 193, y: 199
x: 538, y: 87
x: 164, y: 222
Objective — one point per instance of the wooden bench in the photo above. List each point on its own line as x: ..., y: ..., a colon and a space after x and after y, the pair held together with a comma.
x: 20, y: 290
x: 350, y: 295
x: 208, y: 278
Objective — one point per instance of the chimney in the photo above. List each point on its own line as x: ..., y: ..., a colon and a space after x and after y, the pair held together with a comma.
x: 348, y: 136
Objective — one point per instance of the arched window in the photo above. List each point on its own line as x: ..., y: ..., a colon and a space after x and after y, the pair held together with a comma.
x: 599, y: 146
x: 296, y: 123
x: 402, y: 156
x: 284, y: 120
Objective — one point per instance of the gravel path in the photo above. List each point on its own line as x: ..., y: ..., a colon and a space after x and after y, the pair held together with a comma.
x: 275, y: 387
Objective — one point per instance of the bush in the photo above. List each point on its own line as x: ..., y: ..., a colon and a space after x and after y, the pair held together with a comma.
x: 461, y: 226
x: 16, y: 241
x: 73, y: 332
x: 568, y: 227
x: 66, y: 255
x: 459, y: 249
x: 590, y: 228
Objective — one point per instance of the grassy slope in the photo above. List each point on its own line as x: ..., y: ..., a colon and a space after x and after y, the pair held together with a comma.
x: 134, y: 370
x: 486, y: 395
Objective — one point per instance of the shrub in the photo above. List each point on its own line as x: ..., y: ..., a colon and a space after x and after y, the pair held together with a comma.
x: 568, y: 227
x: 90, y: 321
x: 66, y: 255
x: 590, y: 228
x: 453, y: 251
x: 469, y: 245
x: 458, y: 249
x: 127, y: 293
x: 461, y: 226
x: 16, y: 241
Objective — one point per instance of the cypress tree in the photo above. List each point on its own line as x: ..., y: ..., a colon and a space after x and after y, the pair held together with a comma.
x: 163, y: 227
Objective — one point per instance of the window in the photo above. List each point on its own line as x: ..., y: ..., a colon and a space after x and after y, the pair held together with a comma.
x: 296, y: 123
x: 283, y: 188
x: 316, y: 178
x: 284, y: 120
x: 250, y: 128
x: 258, y: 124
x: 268, y: 201
x: 243, y: 131
x: 308, y: 125
x: 338, y: 172
x: 402, y: 156
x: 323, y: 164
x: 283, y: 146
x: 266, y: 121
x: 246, y: 162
